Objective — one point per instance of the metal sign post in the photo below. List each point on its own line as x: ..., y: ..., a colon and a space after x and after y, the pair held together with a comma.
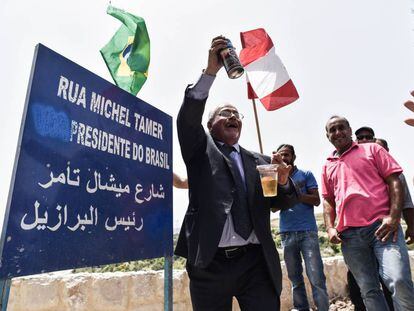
x: 168, y: 283
x: 5, y: 291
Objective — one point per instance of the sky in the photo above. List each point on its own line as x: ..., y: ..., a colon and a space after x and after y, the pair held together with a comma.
x: 351, y: 58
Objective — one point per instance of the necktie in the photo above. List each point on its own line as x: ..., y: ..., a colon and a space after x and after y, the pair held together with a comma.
x: 239, y: 210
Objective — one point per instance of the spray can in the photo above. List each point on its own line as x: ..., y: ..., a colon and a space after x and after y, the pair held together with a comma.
x: 231, y: 62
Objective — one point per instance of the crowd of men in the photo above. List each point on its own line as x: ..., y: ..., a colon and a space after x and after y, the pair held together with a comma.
x: 226, y: 236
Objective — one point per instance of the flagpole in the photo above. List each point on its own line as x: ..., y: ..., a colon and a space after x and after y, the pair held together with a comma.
x: 257, y: 126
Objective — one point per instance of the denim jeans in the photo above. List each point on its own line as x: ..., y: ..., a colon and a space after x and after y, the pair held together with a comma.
x: 306, y: 243
x: 361, y: 251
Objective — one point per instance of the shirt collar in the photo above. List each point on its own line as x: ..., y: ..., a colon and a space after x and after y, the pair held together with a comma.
x: 333, y: 155
x: 236, y: 146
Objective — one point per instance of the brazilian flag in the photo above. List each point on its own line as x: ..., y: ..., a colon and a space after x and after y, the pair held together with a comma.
x: 127, y: 54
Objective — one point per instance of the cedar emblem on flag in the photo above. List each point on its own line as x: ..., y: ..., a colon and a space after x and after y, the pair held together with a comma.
x: 267, y: 78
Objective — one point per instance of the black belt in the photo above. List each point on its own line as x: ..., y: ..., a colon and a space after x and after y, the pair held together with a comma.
x: 234, y: 251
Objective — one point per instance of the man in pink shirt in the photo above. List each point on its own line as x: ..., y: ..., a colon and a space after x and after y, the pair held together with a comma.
x: 363, y: 193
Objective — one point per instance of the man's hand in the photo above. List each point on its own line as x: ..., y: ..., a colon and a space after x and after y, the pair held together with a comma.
x: 333, y: 236
x: 388, y: 228
x: 214, y: 60
x: 283, y: 170
x: 408, y: 215
x: 409, y: 236
x: 410, y: 105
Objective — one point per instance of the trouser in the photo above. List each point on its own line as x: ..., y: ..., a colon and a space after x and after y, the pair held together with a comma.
x: 295, y: 245
x: 362, y: 250
x: 355, y: 293
x: 242, y: 274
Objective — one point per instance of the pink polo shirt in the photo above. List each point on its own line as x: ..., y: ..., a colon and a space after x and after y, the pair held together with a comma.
x: 355, y: 182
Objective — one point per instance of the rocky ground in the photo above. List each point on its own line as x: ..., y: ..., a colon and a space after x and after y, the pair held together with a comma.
x: 341, y: 304
x: 338, y: 304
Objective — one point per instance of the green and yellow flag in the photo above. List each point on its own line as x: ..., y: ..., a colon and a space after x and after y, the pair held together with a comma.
x: 127, y: 55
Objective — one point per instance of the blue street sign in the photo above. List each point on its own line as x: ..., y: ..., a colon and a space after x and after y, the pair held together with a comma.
x: 92, y: 181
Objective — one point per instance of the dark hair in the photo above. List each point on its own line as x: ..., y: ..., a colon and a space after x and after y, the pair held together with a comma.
x: 336, y: 117
x: 287, y: 146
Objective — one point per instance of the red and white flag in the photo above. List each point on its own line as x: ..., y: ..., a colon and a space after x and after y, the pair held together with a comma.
x: 267, y: 78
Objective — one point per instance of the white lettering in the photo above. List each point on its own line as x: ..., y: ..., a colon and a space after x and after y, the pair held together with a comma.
x: 63, y: 86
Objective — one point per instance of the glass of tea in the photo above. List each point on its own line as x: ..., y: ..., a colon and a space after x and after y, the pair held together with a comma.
x: 268, y: 178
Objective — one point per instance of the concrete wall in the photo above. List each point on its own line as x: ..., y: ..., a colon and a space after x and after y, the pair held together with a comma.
x: 133, y: 290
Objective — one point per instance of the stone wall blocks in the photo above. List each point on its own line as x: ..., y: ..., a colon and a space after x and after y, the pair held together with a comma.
x: 110, y: 291
x: 137, y: 291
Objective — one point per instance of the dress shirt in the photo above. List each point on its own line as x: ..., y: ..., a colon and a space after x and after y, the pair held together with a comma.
x: 229, y: 237
x: 201, y: 88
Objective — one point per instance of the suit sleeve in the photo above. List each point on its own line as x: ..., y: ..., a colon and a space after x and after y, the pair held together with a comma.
x: 191, y: 134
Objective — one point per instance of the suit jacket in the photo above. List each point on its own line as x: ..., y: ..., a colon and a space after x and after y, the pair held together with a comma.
x: 211, y: 191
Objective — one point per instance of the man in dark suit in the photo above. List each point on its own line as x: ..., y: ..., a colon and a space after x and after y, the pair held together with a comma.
x: 226, y: 235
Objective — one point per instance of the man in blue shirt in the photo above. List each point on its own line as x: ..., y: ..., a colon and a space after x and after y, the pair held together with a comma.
x: 299, y: 234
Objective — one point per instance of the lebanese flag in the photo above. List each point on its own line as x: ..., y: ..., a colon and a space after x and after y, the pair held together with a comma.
x: 267, y: 78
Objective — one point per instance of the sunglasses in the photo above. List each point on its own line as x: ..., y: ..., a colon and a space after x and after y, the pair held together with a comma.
x: 367, y: 137
x: 229, y: 113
